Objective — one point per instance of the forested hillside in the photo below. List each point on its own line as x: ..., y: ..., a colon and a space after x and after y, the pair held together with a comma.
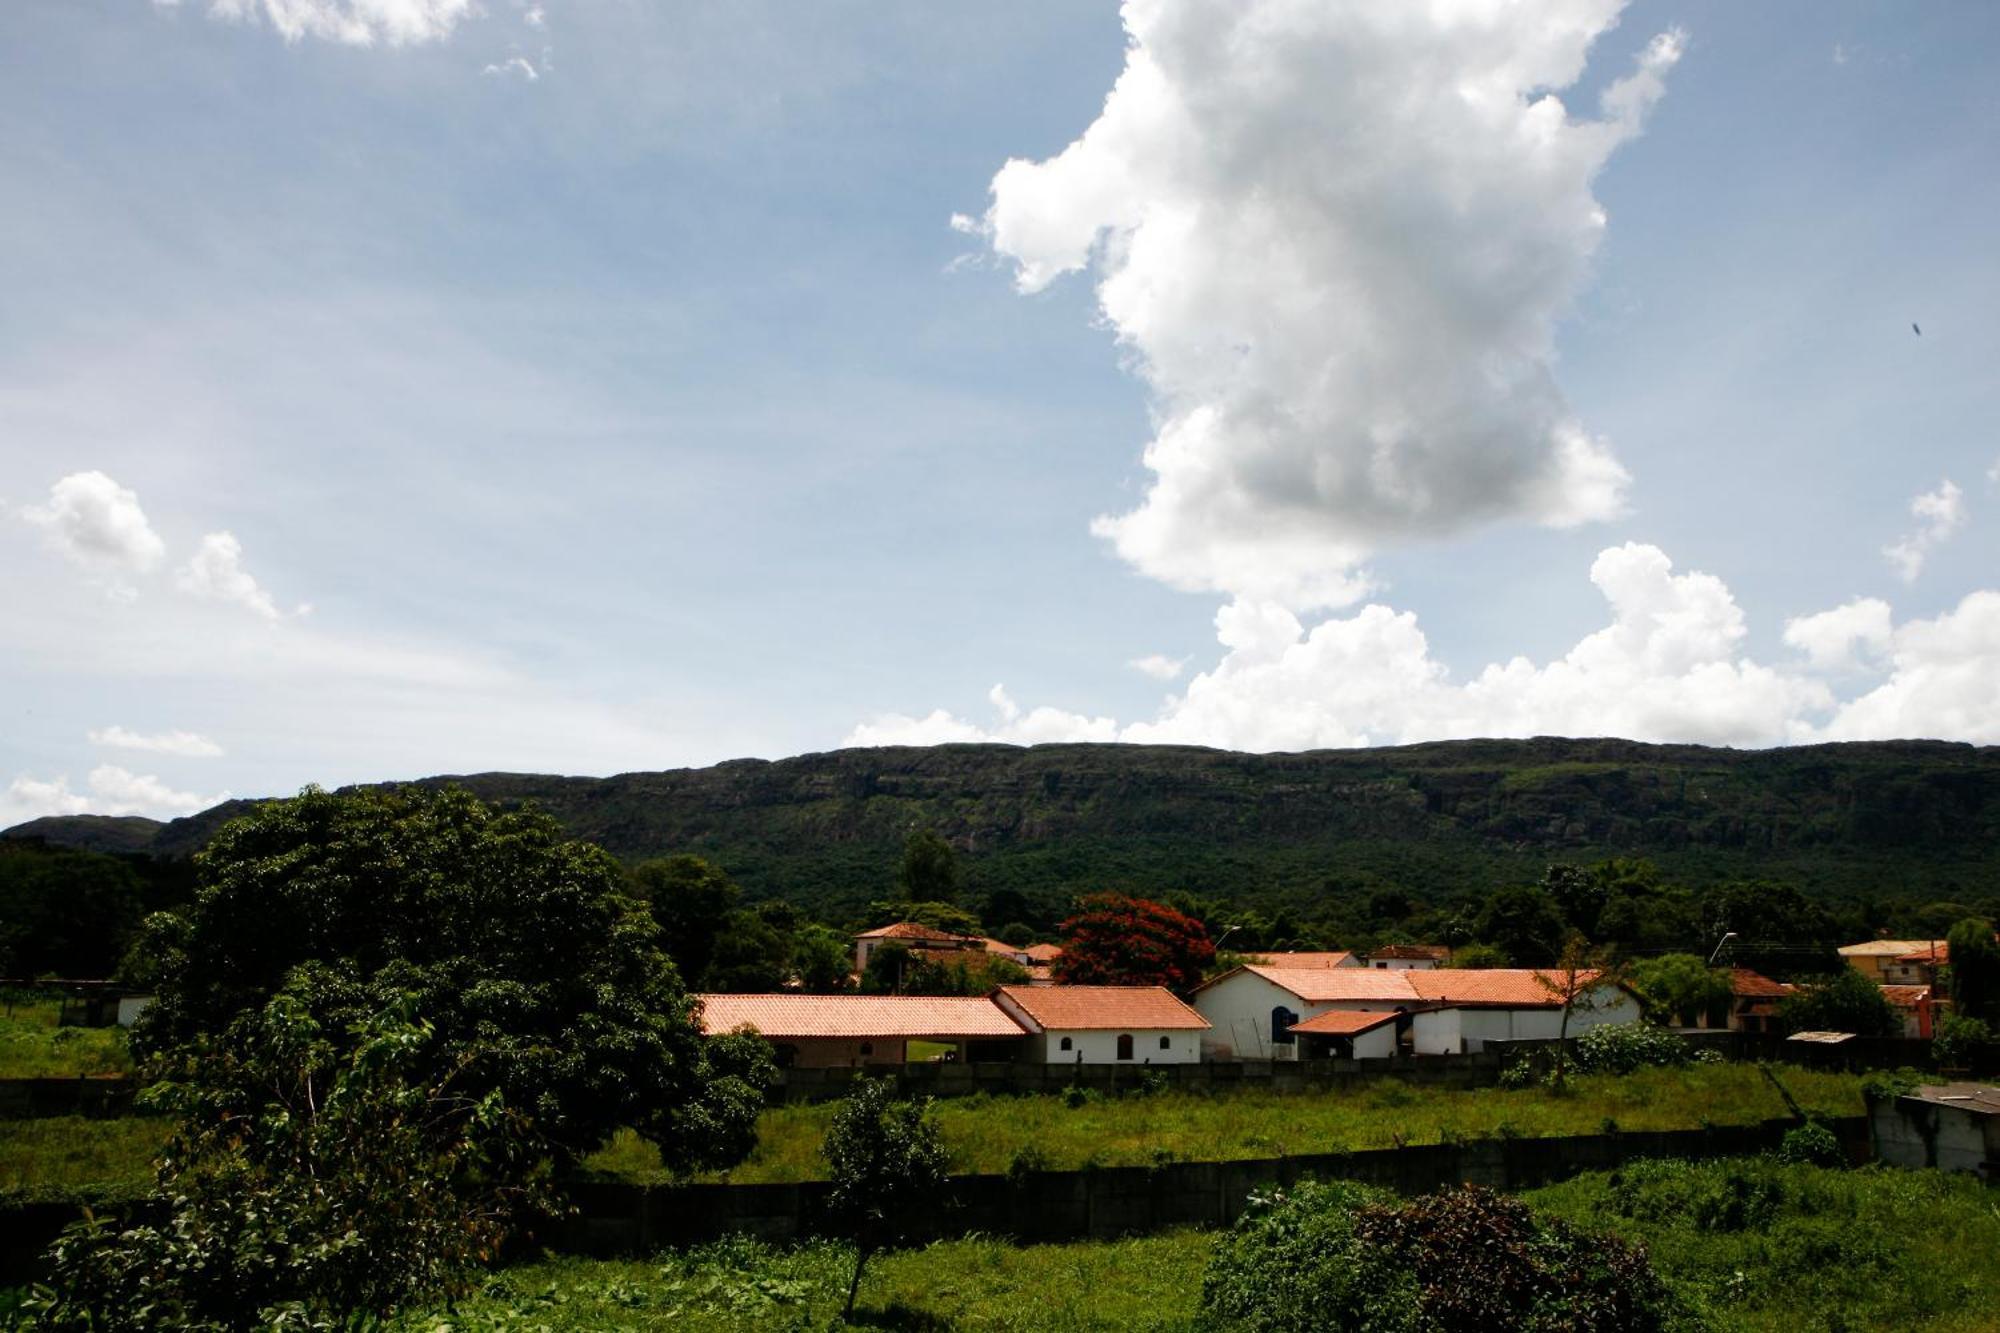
x: 1860, y: 822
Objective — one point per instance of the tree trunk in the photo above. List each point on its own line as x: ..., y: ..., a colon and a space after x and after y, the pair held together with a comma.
x: 860, y: 1259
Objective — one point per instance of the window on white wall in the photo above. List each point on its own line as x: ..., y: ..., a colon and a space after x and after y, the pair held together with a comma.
x: 1067, y: 1044
x: 1166, y: 1043
x: 1124, y: 1046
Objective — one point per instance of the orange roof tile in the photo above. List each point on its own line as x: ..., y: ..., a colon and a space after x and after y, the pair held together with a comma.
x: 1304, y: 958
x: 1906, y: 997
x: 1747, y: 985
x: 1506, y: 987
x: 1939, y: 952
x: 1043, y: 953
x: 1884, y: 948
x: 1324, y: 985
x: 1342, y: 1022
x: 1079, y: 1008
x: 926, y: 1017
x: 910, y: 930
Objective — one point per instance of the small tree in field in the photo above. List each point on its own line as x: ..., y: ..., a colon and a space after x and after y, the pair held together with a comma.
x: 886, y: 1162
x: 1576, y: 982
x: 1117, y: 941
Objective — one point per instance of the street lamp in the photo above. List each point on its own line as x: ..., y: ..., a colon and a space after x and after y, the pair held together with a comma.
x: 1726, y: 937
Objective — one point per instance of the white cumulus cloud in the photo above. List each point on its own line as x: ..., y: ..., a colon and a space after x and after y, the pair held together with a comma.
x: 216, y: 571
x: 1843, y: 637
x: 1669, y: 666
x: 1939, y: 514
x: 188, y: 744
x: 110, y: 790
x: 98, y: 524
x: 1336, y: 237
x: 351, y: 22
x: 515, y: 65
x: 1944, y: 680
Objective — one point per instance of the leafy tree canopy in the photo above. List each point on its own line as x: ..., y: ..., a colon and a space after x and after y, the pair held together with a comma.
x: 1845, y: 1002
x: 64, y: 913
x: 929, y: 871
x: 692, y: 899
x: 1118, y: 941
x: 1679, y: 988
x: 1975, y: 970
x: 1525, y: 923
x: 539, y: 979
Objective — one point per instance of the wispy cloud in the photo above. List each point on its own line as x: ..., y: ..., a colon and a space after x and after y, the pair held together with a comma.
x: 187, y: 744
x: 1939, y: 514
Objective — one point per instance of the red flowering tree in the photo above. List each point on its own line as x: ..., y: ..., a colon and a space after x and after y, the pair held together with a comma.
x: 1113, y: 940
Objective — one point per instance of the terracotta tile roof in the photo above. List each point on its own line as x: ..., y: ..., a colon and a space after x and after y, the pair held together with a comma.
x: 1343, y: 1022
x: 910, y: 930
x: 1413, y: 952
x: 1747, y: 985
x: 1324, y: 985
x: 1906, y: 997
x: 926, y: 1017
x: 1885, y: 948
x: 1508, y: 987
x: 1308, y: 958
x: 1043, y: 953
x: 1079, y: 1008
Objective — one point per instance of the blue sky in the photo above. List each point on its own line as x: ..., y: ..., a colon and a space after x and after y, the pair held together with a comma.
x: 371, y: 409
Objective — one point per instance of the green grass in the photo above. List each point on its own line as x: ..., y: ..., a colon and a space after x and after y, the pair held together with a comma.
x: 1148, y: 1286
x: 32, y: 1046
x: 70, y: 1152
x: 1914, y: 1251
x: 984, y: 1134
x: 1760, y: 1247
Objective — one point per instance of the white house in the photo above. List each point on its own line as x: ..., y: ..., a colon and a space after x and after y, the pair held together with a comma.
x: 1408, y: 957
x: 1254, y: 1012
x: 1104, y: 1025
x: 1465, y: 1009
x: 1243, y: 1005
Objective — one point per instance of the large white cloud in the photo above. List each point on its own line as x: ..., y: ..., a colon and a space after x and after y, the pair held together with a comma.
x: 110, y: 790
x: 1669, y: 667
x: 1944, y: 680
x: 98, y: 524
x: 353, y: 22
x: 1336, y: 236
x: 1844, y: 637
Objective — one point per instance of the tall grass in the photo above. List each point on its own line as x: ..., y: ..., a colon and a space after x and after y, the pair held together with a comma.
x: 988, y: 1134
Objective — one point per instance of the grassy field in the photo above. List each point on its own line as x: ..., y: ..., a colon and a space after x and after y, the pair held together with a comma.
x: 985, y: 1134
x: 69, y: 1152
x: 32, y: 1046
x: 1825, y: 1250
x: 988, y: 1134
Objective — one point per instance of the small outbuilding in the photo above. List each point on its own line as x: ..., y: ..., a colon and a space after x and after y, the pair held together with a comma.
x: 1350, y: 1034
x: 1104, y: 1025
x: 1950, y: 1126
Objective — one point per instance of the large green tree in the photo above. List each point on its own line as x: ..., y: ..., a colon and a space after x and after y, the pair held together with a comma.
x: 1975, y: 970
x: 64, y: 913
x: 929, y: 870
x: 693, y: 900
x: 1845, y: 1002
x: 539, y: 979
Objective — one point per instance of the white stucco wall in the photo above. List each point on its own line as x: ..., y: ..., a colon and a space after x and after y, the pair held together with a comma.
x: 1402, y: 964
x: 1238, y: 1010
x: 1467, y: 1030
x: 130, y: 1007
x: 1101, y: 1047
x: 1376, y: 1043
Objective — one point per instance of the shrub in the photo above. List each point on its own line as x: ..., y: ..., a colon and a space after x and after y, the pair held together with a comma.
x: 1622, y: 1048
x: 1960, y: 1040
x: 1520, y: 1074
x: 1811, y: 1144
x: 1295, y: 1261
x: 887, y: 1163
x: 1722, y: 1196
x: 1339, y: 1257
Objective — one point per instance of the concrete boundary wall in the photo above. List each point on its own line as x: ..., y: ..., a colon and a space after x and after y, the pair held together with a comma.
x: 40, y: 1098
x: 1100, y: 1204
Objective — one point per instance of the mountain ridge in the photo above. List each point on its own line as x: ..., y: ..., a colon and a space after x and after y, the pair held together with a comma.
x: 1438, y: 819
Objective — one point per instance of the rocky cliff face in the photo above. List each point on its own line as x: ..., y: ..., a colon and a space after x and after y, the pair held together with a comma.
x: 1901, y: 817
